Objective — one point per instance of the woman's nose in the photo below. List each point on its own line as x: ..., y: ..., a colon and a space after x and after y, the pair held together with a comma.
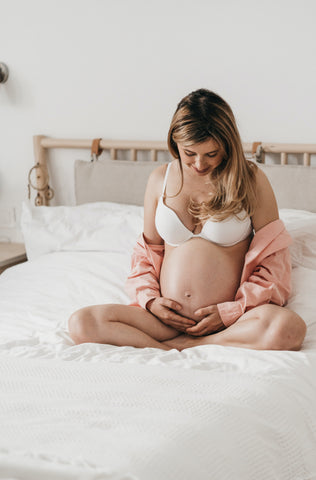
x: 199, y: 162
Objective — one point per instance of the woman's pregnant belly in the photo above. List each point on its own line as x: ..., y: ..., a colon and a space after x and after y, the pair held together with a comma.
x: 199, y: 273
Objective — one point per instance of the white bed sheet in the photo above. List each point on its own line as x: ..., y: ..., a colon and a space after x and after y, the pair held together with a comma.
x: 104, y: 412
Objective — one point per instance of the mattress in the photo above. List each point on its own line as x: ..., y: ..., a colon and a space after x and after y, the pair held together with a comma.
x: 103, y: 412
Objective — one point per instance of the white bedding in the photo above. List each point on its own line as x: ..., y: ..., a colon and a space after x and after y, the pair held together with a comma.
x: 104, y: 412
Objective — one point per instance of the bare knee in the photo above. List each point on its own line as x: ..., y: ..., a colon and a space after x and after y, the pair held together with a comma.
x: 84, y: 324
x: 79, y: 324
x: 286, y: 329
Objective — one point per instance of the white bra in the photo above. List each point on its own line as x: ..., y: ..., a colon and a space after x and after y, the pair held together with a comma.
x: 230, y: 231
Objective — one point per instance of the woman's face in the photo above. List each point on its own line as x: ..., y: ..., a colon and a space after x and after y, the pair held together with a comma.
x: 201, y: 158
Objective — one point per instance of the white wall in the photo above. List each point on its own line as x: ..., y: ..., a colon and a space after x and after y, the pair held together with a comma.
x: 117, y: 68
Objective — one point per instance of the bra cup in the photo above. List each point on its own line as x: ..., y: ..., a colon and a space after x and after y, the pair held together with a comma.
x: 169, y: 225
x: 227, y: 232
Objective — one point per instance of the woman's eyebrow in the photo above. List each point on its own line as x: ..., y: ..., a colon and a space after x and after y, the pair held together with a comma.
x: 208, y: 153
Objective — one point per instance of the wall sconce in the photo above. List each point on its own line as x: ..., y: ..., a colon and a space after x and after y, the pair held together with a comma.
x: 4, y: 73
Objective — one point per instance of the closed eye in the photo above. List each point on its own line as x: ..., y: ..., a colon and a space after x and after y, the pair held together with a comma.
x: 192, y: 154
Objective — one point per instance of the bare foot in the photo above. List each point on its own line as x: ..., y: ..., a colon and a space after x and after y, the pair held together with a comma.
x: 185, y: 341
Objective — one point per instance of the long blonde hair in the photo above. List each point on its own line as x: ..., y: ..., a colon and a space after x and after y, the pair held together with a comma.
x: 203, y: 115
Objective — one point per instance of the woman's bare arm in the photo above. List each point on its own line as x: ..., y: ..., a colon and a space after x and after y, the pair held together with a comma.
x: 267, y: 208
x: 152, y: 194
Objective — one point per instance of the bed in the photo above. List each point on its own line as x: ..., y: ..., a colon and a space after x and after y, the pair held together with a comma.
x: 102, y: 412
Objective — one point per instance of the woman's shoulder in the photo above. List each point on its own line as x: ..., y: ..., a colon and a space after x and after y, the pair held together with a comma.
x: 260, y: 175
x: 158, y: 172
x: 267, y: 209
x: 156, y: 177
x: 155, y: 181
x: 263, y: 184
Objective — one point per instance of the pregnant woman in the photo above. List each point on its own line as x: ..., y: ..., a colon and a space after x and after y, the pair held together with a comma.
x: 212, y: 265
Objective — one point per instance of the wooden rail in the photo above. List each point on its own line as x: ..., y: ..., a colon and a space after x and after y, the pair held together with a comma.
x: 43, y: 143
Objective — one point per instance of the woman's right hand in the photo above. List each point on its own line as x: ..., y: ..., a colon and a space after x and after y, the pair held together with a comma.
x: 166, y: 310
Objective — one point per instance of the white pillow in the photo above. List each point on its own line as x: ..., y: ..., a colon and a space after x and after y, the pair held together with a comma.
x: 301, y: 225
x: 100, y: 226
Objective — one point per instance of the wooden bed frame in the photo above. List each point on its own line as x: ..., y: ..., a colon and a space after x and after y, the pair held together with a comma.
x: 42, y: 144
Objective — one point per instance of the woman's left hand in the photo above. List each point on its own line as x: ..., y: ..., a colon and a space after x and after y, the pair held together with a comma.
x: 210, y: 321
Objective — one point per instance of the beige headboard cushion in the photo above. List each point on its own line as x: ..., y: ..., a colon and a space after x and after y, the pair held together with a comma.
x: 294, y: 185
x: 124, y: 181
x: 120, y: 181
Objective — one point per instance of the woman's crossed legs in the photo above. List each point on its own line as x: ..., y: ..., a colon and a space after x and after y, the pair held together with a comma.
x: 120, y: 325
x: 267, y: 327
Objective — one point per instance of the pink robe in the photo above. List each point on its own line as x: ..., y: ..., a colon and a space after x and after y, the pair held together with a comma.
x: 266, y: 275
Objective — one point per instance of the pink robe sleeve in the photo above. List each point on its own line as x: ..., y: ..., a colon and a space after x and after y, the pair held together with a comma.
x: 266, y: 276
x: 142, y: 283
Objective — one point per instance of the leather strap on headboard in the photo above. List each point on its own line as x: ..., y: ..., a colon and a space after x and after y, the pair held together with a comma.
x: 96, y: 149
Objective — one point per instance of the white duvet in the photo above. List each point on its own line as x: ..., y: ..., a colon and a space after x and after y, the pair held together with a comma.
x: 104, y: 412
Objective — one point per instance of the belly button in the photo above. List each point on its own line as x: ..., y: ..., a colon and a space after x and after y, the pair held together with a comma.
x: 187, y: 294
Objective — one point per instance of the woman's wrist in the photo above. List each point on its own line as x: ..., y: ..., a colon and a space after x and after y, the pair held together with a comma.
x: 149, y: 304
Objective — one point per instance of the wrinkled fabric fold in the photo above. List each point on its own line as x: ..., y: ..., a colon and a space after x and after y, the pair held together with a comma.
x: 266, y: 275
x: 142, y: 284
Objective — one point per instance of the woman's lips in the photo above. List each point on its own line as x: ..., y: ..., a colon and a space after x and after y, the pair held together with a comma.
x: 201, y: 172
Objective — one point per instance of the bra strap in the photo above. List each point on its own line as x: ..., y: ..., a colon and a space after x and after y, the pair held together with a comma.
x: 165, y: 180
